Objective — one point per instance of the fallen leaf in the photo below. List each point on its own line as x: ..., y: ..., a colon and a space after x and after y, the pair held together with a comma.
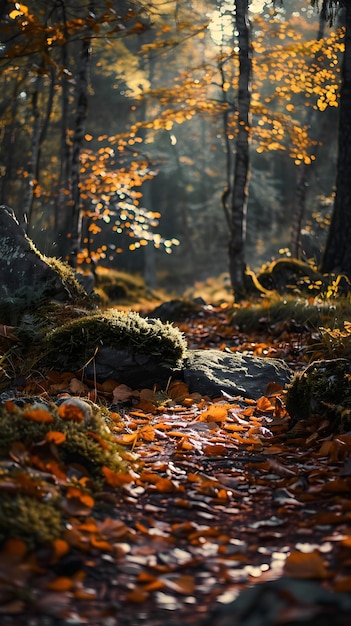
x: 302, y: 565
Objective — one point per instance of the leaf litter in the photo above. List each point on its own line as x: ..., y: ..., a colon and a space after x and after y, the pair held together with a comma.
x: 213, y: 498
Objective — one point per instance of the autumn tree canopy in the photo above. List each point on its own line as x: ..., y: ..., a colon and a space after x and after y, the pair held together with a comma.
x: 119, y: 121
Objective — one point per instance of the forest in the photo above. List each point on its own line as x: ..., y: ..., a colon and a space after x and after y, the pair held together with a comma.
x: 175, y: 312
x: 103, y: 106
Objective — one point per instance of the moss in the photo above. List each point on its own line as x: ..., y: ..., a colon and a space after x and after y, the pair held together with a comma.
x: 33, y: 503
x: 117, y: 286
x: 91, y: 443
x: 298, y: 311
x: 24, y: 516
x: 323, y: 388
x: 80, y: 339
x: 290, y: 274
x: 68, y: 278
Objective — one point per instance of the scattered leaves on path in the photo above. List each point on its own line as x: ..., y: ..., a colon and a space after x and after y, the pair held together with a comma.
x: 215, y: 496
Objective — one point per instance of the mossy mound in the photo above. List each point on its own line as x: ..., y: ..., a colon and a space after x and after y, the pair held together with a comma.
x: 29, y: 518
x: 76, y: 343
x: 323, y: 388
x: 53, y: 458
x: 290, y: 274
x: 85, y: 435
x: 121, y: 287
x: 311, y: 313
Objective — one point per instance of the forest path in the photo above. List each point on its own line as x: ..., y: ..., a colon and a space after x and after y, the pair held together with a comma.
x: 225, y: 495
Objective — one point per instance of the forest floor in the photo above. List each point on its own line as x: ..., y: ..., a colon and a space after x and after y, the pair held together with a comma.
x: 225, y: 494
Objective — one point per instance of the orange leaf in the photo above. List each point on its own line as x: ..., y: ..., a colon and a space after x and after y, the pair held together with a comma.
x: 61, y: 583
x: 146, y: 406
x: 128, y: 438
x: 10, y: 406
x: 60, y: 547
x: 116, y: 479
x: 85, y: 594
x: 178, y: 391
x: 147, y: 433
x: 272, y: 389
x: 264, y: 404
x: 55, y: 436
x: 176, y: 433
x: 109, y: 385
x: 71, y: 412
x: 302, y: 565
x: 100, y: 544
x: 104, y: 445
x: 16, y: 547
x: 215, y: 413
x: 343, y: 585
x: 183, y: 584
x: 137, y: 595
x: 165, y: 485
x: 84, y: 498
x: 38, y: 415
x: 155, y: 586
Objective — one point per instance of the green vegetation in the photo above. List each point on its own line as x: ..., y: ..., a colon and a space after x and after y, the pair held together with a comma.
x: 80, y: 339
x: 48, y: 442
x: 313, y: 313
x: 322, y: 389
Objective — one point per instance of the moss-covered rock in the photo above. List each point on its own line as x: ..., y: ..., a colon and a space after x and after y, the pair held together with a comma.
x: 28, y: 278
x: 75, y: 344
x: 322, y: 388
x: 85, y: 434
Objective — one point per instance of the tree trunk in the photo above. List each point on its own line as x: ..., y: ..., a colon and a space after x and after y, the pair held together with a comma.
x: 62, y: 211
x: 79, y: 132
x: 303, y: 173
x: 241, y: 170
x: 337, y: 254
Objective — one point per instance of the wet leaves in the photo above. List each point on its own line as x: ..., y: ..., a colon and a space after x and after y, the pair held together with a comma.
x: 214, y: 496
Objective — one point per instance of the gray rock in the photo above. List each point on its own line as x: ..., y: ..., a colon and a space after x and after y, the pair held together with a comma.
x: 21, y: 266
x: 28, y: 278
x: 129, y: 368
x: 297, y: 602
x: 209, y: 372
x: 212, y: 371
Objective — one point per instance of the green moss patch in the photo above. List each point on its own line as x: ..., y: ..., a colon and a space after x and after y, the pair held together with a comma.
x: 53, y: 460
x: 80, y: 339
x: 86, y: 438
x: 323, y: 388
x: 311, y: 313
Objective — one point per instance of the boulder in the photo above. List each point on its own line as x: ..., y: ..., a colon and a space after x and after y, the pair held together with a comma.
x: 208, y: 372
x: 289, y: 601
x: 212, y: 371
x: 27, y: 276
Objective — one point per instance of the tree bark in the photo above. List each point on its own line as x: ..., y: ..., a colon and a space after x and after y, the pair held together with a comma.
x: 337, y: 254
x: 79, y: 132
x: 237, y: 264
x: 302, y: 175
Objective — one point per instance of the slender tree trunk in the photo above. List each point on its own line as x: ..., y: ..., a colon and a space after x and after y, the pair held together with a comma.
x: 337, y: 254
x: 78, y: 137
x: 237, y: 264
x: 31, y: 182
x: 62, y: 211
x: 302, y: 175
x: 38, y: 138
